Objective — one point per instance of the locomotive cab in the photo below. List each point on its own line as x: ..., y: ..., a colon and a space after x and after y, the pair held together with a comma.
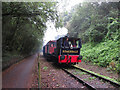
x: 68, y: 50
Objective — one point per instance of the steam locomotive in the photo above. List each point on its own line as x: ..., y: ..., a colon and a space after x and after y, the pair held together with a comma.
x: 65, y: 50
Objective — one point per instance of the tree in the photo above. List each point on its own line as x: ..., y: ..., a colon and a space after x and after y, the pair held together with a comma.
x: 24, y: 24
x: 92, y: 19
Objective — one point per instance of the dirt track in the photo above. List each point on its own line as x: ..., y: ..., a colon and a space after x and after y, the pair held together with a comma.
x: 19, y: 75
x: 52, y: 76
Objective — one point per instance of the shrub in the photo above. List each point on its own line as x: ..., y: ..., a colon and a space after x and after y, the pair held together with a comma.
x: 102, y: 54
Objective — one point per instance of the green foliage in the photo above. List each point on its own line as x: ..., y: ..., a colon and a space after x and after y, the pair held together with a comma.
x: 91, y: 78
x: 98, y: 27
x: 45, y: 68
x: 113, y: 29
x: 24, y: 24
x: 101, y: 54
x: 95, y: 36
x: 94, y: 22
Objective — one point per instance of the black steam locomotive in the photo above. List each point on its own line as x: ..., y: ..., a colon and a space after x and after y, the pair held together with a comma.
x: 65, y: 50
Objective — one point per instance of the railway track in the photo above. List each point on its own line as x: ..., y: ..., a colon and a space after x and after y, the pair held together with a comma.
x: 90, y: 80
x: 79, y: 80
x: 99, y: 76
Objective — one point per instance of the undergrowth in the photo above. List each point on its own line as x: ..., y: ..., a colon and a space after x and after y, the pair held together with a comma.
x: 9, y: 58
x: 105, y: 54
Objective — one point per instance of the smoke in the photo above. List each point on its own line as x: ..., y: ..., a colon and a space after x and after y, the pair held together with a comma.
x: 52, y: 33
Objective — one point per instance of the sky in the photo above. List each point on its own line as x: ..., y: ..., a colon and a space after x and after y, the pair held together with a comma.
x: 51, y: 33
x: 67, y: 4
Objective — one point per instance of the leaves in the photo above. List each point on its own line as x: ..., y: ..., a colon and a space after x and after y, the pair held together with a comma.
x: 93, y: 22
x: 24, y: 24
x: 101, y: 54
x: 45, y: 68
x: 98, y: 27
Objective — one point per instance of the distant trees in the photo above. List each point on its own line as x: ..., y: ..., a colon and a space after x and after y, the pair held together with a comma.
x: 94, y: 21
x: 24, y: 23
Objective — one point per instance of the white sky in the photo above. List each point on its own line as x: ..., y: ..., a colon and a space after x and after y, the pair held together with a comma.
x: 67, y: 4
x: 51, y: 31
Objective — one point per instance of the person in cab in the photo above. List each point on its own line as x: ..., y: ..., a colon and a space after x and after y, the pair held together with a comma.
x: 66, y: 42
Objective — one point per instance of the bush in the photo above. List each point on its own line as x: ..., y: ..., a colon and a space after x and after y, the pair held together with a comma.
x: 95, y: 36
x: 101, y: 54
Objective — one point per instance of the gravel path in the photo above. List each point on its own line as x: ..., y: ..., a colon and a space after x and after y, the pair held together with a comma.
x: 53, y: 77
x: 19, y: 75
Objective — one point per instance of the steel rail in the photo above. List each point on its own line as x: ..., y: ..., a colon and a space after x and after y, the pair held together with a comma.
x: 95, y: 74
x: 78, y: 79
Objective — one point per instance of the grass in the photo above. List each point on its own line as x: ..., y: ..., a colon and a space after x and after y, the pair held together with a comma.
x: 75, y: 73
x: 116, y: 81
x: 91, y: 78
x: 77, y: 70
x: 45, y: 68
x: 102, y: 80
x: 82, y: 73
x: 85, y: 79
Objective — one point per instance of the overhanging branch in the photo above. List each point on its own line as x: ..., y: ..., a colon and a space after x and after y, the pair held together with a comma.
x: 21, y: 14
